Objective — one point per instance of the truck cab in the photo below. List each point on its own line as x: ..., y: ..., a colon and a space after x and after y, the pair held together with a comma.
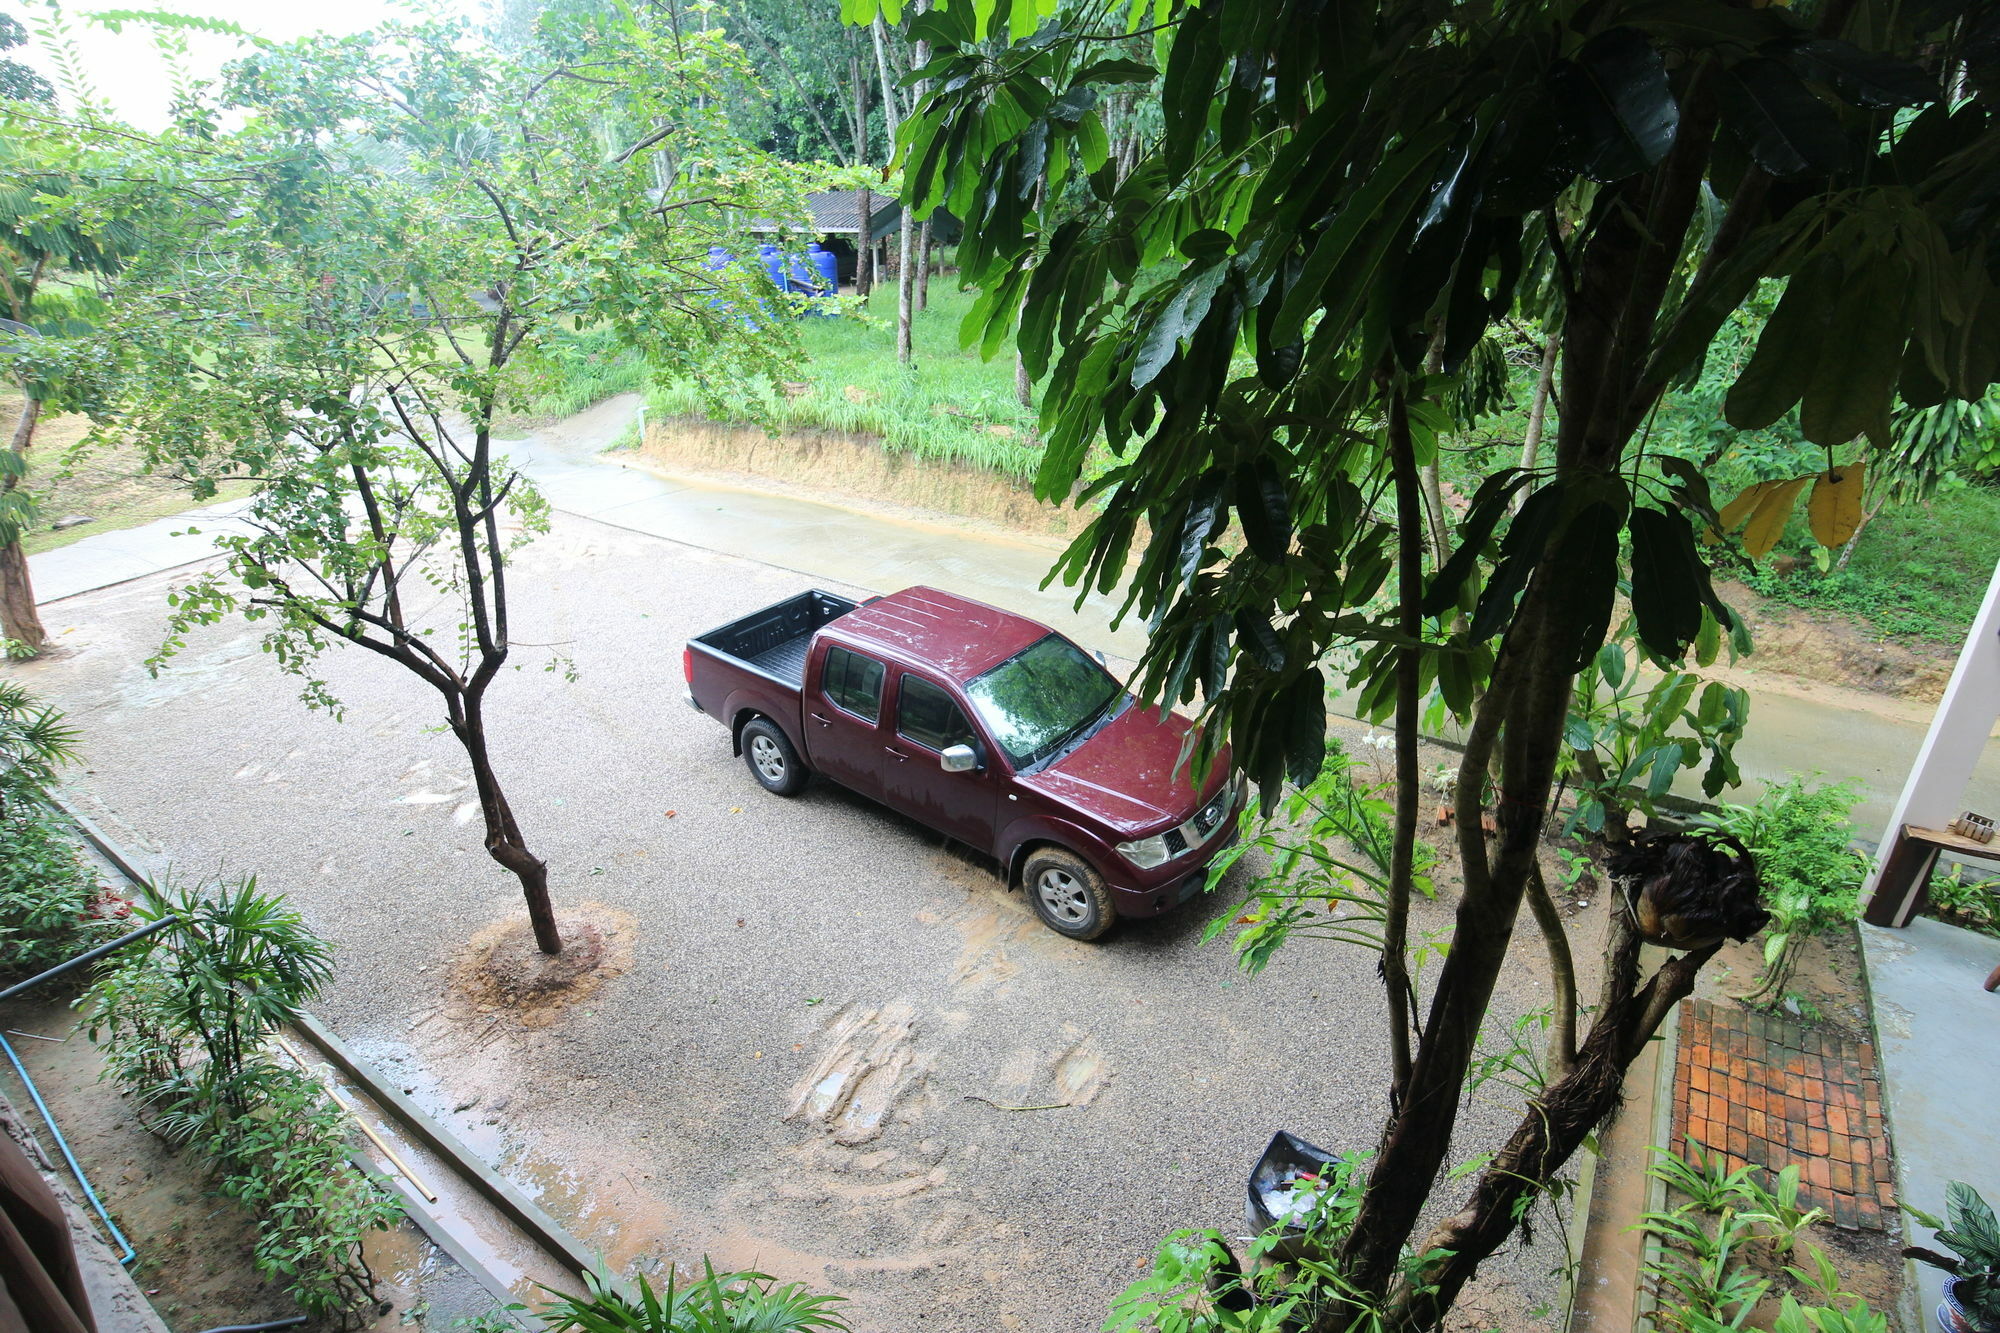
x: 984, y: 725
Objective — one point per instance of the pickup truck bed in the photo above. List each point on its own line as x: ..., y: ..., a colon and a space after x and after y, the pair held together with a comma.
x: 774, y: 642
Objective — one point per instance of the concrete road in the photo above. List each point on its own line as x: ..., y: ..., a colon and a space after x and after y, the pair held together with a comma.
x: 814, y: 992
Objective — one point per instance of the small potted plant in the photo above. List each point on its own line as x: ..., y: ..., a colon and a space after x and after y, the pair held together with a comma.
x: 1972, y: 1289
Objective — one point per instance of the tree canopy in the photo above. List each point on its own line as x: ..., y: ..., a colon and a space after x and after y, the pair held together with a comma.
x: 1273, y: 314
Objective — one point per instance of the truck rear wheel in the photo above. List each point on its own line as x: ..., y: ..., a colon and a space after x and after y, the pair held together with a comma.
x: 1067, y: 894
x: 771, y: 757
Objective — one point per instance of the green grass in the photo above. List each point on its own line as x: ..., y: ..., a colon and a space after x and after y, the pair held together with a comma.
x: 1918, y: 573
x: 948, y: 406
x: 584, y: 370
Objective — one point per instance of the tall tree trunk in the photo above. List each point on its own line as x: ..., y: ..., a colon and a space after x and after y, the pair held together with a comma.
x: 20, y: 622
x: 1409, y: 660
x: 1538, y: 410
x: 864, y: 256
x: 906, y: 289
x: 1622, y: 279
x: 906, y: 235
x: 504, y: 842
x: 924, y: 267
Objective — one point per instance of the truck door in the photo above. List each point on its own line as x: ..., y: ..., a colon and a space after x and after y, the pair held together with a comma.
x: 928, y: 719
x: 843, y: 708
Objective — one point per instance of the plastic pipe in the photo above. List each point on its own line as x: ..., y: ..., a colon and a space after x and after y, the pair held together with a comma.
x: 90, y: 956
x: 293, y: 1322
x: 62, y: 1143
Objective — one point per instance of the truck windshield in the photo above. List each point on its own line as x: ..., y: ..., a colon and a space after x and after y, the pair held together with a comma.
x: 1037, y: 699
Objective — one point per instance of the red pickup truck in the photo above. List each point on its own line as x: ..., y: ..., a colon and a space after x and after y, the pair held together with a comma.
x: 986, y: 726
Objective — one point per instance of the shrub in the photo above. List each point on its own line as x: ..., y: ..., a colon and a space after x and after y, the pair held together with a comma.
x: 712, y: 1303
x: 47, y: 891
x: 48, y: 895
x: 1812, y: 879
x: 1973, y: 902
x: 184, y: 1017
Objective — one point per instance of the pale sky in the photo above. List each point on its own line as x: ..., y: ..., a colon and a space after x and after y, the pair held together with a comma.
x: 127, y: 69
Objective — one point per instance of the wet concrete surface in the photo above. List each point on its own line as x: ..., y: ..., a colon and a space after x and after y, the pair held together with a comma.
x: 782, y: 1078
x: 1934, y: 1025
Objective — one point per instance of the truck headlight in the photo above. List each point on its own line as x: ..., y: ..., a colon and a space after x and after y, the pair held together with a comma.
x: 1147, y: 852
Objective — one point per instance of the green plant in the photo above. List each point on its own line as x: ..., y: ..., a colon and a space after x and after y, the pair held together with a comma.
x: 184, y: 1014
x: 1972, y: 1235
x: 1855, y: 1317
x: 287, y: 1163
x: 1706, y: 1182
x: 1327, y: 871
x: 1967, y: 900
x: 183, y: 1017
x: 712, y: 1303
x: 48, y: 895
x: 1628, y: 734
x: 1701, y: 1282
x: 35, y: 742
x: 1812, y: 878
x: 1777, y: 1210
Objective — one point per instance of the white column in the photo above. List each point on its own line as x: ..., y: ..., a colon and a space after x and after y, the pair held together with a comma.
x: 1958, y: 733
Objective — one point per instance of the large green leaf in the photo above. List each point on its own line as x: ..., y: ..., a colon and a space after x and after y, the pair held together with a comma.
x: 1866, y: 78
x: 1667, y: 583
x: 1618, y: 114
x: 1175, y: 319
x: 1788, y: 351
x: 1853, y: 383
x: 1788, y: 131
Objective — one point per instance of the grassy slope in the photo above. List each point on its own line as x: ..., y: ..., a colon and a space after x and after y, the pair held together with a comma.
x: 1918, y: 573
x: 948, y: 406
x: 107, y: 484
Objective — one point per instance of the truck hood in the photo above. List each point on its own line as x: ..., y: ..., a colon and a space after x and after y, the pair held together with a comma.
x: 1129, y: 775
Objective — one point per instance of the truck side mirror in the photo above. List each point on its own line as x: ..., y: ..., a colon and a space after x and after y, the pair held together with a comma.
x: 958, y: 759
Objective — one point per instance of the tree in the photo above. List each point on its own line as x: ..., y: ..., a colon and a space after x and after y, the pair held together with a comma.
x: 1264, y: 319
x: 48, y: 261
x: 343, y: 316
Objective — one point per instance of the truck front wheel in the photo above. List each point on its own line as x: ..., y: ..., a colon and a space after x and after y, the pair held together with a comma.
x: 1067, y: 894
x: 772, y: 760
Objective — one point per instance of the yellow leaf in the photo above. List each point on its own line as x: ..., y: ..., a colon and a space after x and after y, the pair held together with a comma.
x: 1737, y: 510
x: 1835, y: 506
x: 1767, y: 523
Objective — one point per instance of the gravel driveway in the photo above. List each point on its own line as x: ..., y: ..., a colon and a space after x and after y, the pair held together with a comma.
x: 785, y: 1076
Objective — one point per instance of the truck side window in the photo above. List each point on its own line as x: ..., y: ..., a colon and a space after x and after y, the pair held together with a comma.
x: 928, y: 716
x: 854, y: 682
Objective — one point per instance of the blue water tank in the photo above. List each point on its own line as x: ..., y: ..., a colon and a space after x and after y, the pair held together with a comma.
x: 803, y: 280
x: 774, y: 264
x: 827, y: 264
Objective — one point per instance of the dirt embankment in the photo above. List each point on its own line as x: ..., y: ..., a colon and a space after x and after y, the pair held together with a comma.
x: 1834, y: 650
x: 854, y: 470
x: 1814, y: 649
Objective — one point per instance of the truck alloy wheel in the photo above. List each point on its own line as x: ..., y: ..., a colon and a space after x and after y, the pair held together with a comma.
x: 1067, y: 894
x: 771, y: 758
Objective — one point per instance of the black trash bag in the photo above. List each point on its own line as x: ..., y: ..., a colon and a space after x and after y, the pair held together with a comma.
x: 1286, y: 1159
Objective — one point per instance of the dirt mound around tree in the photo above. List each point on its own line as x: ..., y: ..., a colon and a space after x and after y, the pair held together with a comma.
x: 503, y: 974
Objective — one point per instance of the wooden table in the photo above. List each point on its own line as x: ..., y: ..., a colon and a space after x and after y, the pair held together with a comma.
x: 1910, y: 861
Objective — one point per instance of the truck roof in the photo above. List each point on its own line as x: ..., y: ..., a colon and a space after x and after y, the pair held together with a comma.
x: 955, y: 634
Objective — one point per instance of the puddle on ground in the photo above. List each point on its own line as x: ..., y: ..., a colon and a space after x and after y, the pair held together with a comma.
x: 868, y: 1065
